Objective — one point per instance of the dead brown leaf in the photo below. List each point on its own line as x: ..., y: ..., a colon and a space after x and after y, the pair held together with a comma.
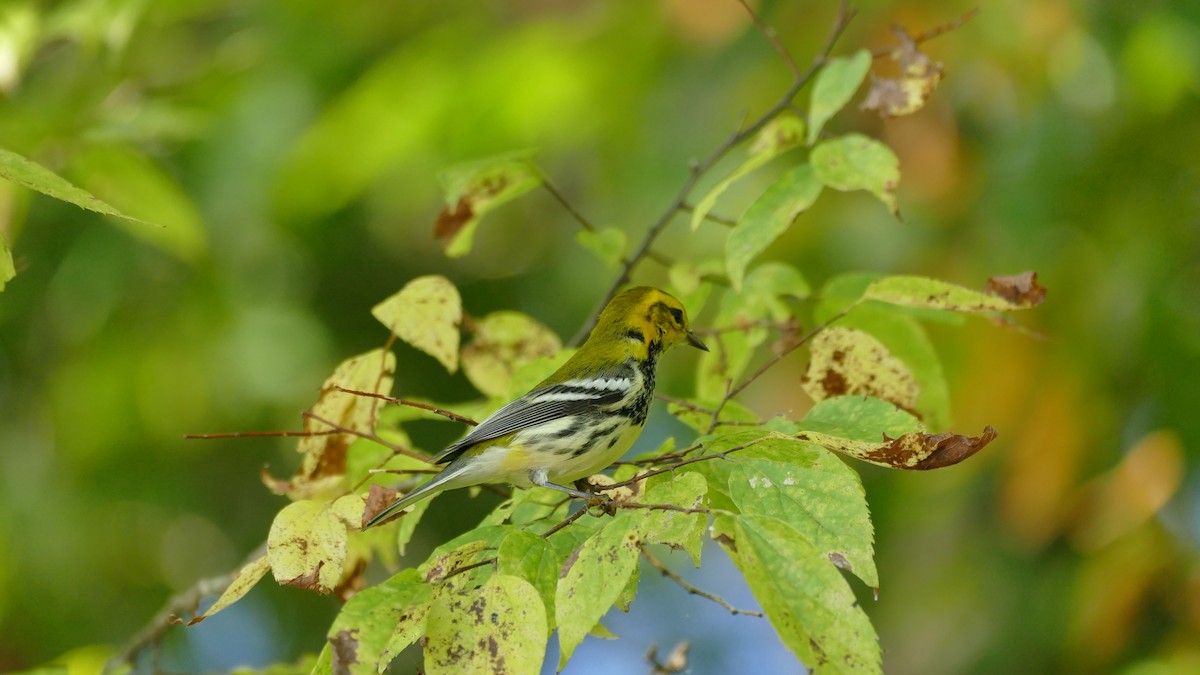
x: 1022, y: 289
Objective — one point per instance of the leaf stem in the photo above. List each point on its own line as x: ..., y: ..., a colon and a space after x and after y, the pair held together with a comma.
x: 667, y: 572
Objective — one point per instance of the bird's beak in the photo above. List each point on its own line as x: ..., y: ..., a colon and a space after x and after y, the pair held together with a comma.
x: 695, y: 342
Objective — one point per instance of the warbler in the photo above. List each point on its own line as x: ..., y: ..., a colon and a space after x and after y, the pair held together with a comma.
x: 580, y: 419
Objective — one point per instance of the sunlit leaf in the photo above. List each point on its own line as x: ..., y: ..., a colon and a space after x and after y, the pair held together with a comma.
x: 823, y: 500
x: 848, y: 361
x: 684, y: 489
x: 856, y: 162
x: 808, y: 602
x: 246, y: 578
x: 915, y: 291
x: 499, y: 627
x: 426, y: 314
x: 306, y: 545
x: 608, y: 244
x: 532, y: 558
x: 363, y: 629
x: 475, y: 189
x: 36, y: 177
x: 859, y: 418
x: 769, y: 217
x: 592, y: 580
x: 504, y: 341
x: 777, y: 137
x: 836, y: 83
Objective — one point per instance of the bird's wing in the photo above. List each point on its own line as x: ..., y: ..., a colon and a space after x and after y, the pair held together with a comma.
x: 542, y: 405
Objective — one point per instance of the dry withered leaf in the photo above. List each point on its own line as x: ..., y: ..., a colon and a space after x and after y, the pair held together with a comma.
x: 912, y: 452
x: 906, y: 94
x: 1022, y: 289
x: 450, y: 221
x: 848, y: 361
x: 378, y: 499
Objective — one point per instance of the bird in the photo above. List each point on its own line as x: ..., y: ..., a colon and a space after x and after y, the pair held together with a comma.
x: 581, y: 418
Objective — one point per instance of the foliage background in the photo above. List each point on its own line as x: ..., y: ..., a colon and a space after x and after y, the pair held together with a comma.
x: 291, y: 149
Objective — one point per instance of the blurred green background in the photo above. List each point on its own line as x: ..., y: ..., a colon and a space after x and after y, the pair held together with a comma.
x: 291, y: 150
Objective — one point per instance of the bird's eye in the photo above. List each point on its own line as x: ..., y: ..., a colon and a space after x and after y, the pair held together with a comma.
x: 677, y: 314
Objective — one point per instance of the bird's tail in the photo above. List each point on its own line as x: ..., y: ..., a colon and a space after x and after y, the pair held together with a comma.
x: 434, y: 486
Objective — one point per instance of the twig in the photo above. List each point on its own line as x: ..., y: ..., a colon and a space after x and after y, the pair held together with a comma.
x: 412, y: 404
x: 660, y: 507
x: 566, y: 521
x: 770, y: 34
x: 583, y: 222
x: 186, y: 601
x: 258, y: 434
x: 667, y: 572
x: 932, y: 33
x: 720, y: 220
x: 370, y: 436
x: 845, y: 15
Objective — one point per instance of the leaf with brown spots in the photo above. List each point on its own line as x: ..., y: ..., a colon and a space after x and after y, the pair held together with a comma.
x: 306, y: 545
x: 324, y: 464
x: 426, y: 314
x: 847, y: 361
x: 906, y: 94
x: 1020, y: 289
x: 499, y: 627
x: 363, y: 630
x: 916, y: 451
x: 924, y: 292
x: 477, y: 188
x: 504, y: 341
x: 378, y: 499
x: 857, y: 162
x: 594, y: 581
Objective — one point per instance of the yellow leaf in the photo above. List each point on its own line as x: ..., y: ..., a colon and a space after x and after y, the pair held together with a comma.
x: 307, y: 544
x: 503, y: 342
x: 848, y: 361
x: 426, y: 314
x: 246, y: 579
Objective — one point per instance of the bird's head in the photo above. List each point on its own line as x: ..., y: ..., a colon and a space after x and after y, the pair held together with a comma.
x: 648, y: 317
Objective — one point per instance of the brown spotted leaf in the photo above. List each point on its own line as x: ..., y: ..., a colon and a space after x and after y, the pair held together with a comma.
x: 378, y: 499
x: 499, y: 627
x: 475, y: 189
x: 903, y: 95
x: 593, y: 580
x: 1020, y: 289
x: 847, y: 361
x: 924, y: 292
x: 915, y: 451
x: 306, y: 545
x: 246, y: 579
x: 363, y: 631
x: 324, y: 463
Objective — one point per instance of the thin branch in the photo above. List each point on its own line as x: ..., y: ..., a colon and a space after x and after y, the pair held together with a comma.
x: 370, y: 436
x: 845, y: 15
x: 412, y: 404
x: 773, y: 37
x: 660, y: 507
x: 720, y: 220
x: 186, y: 601
x: 258, y: 434
x: 583, y: 222
x: 565, y: 522
x: 667, y: 572
x: 932, y: 33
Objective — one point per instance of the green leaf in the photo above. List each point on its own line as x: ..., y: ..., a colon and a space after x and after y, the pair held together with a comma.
x: 859, y: 418
x: 824, y: 501
x: 246, y: 579
x: 532, y: 558
x: 592, y: 580
x: 916, y: 291
x: 673, y: 528
x: 469, y: 547
x: 769, y: 217
x: 426, y: 314
x: 363, y: 629
x: 477, y: 188
x: 608, y: 244
x: 856, y: 162
x: 134, y: 183
x: 699, y: 420
x: 835, y: 86
x: 503, y: 342
x: 499, y: 627
x: 36, y: 177
x: 848, y: 361
x: 806, y: 599
x: 7, y: 269
x: 777, y: 137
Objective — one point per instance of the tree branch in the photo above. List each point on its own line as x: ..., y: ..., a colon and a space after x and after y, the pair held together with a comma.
x: 667, y: 572
x: 412, y: 404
